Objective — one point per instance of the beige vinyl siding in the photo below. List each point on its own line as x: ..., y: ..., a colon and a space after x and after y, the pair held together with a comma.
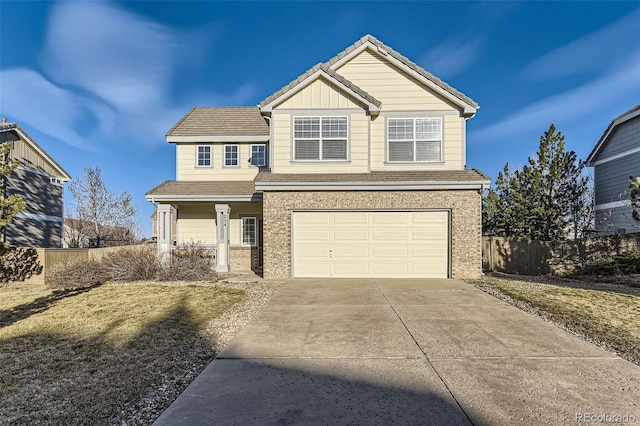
x: 197, y: 222
x: 452, y: 145
x: 319, y: 94
x: 358, y: 145
x: 30, y: 158
x: 187, y: 169
x: 395, y: 89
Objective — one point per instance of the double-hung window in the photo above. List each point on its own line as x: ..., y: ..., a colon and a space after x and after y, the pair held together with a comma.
x: 231, y: 155
x: 204, y: 156
x: 320, y: 138
x: 249, y: 230
x: 258, y: 155
x: 414, y: 139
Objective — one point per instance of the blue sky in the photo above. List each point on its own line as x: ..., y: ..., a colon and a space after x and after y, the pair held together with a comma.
x: 100, y: 83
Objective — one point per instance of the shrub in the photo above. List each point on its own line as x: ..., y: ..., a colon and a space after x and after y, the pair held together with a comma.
x: 75, y: 273
x: 132, y: 264
x: 18, y: 264
x: 621, y: 264
x: 188, y: 262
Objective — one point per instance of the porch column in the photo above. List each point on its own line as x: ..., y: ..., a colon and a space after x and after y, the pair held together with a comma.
x: 164, y: 218
x: 222, y: 237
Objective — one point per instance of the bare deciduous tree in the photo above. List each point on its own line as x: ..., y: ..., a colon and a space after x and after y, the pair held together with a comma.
x: 101, y: 217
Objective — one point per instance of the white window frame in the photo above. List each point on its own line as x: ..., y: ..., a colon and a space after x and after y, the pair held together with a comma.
x: 415, y: 140
x: 264, y: 146
x: 210, y: 153
x: 237, y: 155
x: 320, y: 138
x: 242, y: 231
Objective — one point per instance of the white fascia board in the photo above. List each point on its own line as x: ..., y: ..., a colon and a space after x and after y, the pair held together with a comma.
x: 194, y: 139
x: 605, y: 137
x: 310, y: 79
x: 61, y: 173
x: 616, y: 156
x: 370, y: 186
x: 613, y: 205
x: 469, y: 110
x: 216, y: 198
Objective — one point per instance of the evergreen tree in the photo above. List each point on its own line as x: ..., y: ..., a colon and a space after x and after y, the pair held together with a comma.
x: 10, y: 205
x: 544, y: 199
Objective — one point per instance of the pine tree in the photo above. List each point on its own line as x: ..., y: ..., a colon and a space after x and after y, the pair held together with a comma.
x: 10, y: 205
x: 544, y: 199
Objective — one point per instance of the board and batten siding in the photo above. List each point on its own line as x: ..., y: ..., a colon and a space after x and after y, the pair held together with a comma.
x: 320, y: 94
x: 282, y: 145
x: 187, y: 169
x: 31, y: 159
x: 395, y: 89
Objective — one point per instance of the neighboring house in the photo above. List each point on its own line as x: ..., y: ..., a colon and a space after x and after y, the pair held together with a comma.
x: 40, y: 180
x: 354, y: 169
x: 614, y: 159
x: 82, y: 234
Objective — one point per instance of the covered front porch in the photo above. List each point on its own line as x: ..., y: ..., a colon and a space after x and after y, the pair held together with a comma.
x: 230, y: 224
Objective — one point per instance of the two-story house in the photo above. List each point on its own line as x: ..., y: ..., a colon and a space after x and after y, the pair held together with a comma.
x: 354, y: 169
x: 616, y: 157
x: 39, y: 179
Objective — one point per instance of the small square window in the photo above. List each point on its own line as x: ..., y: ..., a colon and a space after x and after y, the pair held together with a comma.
x: 231, y: 155
x: 204, y: 156
x: 258, y: 155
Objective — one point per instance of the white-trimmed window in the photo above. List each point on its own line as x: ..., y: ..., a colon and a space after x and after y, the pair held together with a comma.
x: 249, y: 231
x: 320, y: 138
x: 414, y: 139
x: 258, y: 155
x: 204, y: 156
x: 231, y: 155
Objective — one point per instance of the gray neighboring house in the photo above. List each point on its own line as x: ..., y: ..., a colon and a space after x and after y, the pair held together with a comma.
x: 615, y: 157
x: 40, y: 180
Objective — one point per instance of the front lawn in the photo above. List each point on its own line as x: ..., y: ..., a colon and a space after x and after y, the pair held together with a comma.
x: 607, y: 314
x: 85, y: 356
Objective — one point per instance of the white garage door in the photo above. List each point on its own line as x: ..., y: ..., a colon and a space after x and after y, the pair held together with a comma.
x: 411, y: 244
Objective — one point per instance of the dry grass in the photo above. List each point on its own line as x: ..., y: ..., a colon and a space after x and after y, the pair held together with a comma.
x: 606, y: 314
x: 81, y: 356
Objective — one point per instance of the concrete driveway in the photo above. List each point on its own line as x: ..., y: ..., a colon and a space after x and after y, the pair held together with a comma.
x: 405, y: 352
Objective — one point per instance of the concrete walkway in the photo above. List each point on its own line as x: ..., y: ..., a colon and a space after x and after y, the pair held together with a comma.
x: 405, y: 352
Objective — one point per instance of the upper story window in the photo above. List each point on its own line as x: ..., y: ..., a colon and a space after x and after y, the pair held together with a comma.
x: 414, y: 139
x: 258, y: 155
x: 231, y: 155
x: 320, y: 138
x: 204, y: 156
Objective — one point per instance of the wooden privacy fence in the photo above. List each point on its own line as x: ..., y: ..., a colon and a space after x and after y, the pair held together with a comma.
x: 551, y: 257
x: 49, y: 257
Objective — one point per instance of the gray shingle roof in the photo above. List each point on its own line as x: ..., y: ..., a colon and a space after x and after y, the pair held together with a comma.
x: 471, y: 175
x: 406, y: 61
x: 221, y: 121
x: 186, y: 188
x: 325, y: 68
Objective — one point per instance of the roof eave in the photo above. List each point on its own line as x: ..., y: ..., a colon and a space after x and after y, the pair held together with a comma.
x: 202, y: 198
x: 591, y: 159
x: 209, y: 138
x: 373, y: 186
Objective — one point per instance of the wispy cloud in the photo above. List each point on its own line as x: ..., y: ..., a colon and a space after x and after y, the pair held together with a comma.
x: 106, y: 76
x: 619, y: 86
x: 602, y: 49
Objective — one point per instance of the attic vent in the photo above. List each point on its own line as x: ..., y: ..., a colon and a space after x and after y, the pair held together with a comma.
x: 56, y: 181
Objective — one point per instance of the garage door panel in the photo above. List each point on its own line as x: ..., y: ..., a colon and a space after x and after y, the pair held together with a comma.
x: 370, y: 244
x: 343, y: 235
